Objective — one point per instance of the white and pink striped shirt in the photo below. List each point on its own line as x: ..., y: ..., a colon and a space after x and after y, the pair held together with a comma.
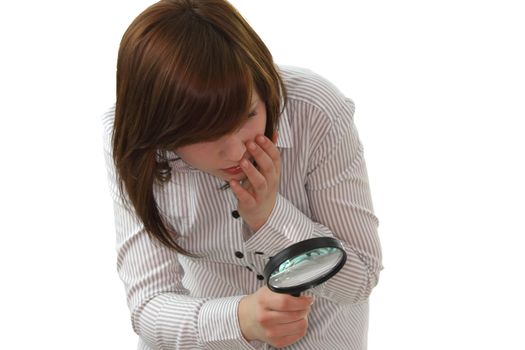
x: 178, y: 302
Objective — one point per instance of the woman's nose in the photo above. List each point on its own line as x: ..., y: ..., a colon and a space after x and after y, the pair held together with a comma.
x: 233, y: 148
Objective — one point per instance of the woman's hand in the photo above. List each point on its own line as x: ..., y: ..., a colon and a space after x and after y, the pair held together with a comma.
x: 258, y: 194
x: 277, y: 319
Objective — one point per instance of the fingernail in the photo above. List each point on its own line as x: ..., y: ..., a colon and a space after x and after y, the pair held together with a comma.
x: 261, y: 139
x: 251, y: 146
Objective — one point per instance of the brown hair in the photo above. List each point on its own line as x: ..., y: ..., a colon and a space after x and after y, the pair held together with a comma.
x: 185, y: 73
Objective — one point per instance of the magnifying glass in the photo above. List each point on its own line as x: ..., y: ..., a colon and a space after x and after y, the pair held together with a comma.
x: 304, y: 265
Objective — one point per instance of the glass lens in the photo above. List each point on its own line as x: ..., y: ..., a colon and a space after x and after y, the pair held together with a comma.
x: 306, y: 267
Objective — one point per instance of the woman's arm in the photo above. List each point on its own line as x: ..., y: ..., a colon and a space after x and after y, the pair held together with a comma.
x: 162, y: 312
x: 340, y: 206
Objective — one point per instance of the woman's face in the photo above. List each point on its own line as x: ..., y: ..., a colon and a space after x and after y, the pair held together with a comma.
x: 221, y: 157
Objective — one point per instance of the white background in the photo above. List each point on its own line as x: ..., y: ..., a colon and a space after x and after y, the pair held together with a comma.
x: 439, y: 89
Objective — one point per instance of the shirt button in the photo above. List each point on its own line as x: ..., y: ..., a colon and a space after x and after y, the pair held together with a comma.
x: 235, y: 214
x: 239, y: 255
x: 260, y: 277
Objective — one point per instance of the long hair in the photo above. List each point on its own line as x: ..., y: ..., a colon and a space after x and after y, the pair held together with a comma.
x: 186, y: 70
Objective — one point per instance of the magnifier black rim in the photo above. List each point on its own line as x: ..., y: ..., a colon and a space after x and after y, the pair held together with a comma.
x: 300, y: 248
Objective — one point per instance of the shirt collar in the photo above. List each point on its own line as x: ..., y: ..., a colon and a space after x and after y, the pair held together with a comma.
x: 284, y: 139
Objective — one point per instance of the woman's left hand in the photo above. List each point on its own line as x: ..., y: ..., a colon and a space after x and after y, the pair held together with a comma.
x: 258, y: 193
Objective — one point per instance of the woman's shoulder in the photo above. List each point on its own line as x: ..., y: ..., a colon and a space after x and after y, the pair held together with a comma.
x: 308, y: 87
x: 314, y: 100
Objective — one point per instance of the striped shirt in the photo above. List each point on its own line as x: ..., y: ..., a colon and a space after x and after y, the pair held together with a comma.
x: 179, y: 302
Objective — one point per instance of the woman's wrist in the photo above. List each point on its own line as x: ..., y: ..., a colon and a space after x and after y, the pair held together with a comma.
x: 245, y: 319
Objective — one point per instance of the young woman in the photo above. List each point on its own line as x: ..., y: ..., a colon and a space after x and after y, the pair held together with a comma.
x: 217, y: 160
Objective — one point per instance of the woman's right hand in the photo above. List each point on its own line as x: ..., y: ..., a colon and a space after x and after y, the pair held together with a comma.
x: 277, y: 319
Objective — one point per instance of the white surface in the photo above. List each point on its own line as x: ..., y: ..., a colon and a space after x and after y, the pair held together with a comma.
x: 439, y: 90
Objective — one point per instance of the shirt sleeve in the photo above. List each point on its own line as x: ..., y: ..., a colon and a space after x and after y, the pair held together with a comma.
x: 163, y: 313
x: 340, y: 206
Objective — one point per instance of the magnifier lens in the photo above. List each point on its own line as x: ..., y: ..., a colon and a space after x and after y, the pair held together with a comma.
x: 306, y: 267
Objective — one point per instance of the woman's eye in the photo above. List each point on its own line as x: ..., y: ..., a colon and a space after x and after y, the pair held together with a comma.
x: 252, y: 114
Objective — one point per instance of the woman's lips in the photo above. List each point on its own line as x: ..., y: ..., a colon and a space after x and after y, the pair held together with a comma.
x: 233, y: 170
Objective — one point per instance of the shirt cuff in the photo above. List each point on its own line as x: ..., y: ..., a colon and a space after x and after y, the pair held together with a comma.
x: 219, y: 325
x: 285, y: 226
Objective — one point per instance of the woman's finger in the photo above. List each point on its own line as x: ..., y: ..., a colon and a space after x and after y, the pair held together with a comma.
x: 243, y: 194
x: 275, y: 136
x: 272, y: 317
x: 287, y: 329
x: 269, y: 148
x: 256, y: 179
x: 264, y: 162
